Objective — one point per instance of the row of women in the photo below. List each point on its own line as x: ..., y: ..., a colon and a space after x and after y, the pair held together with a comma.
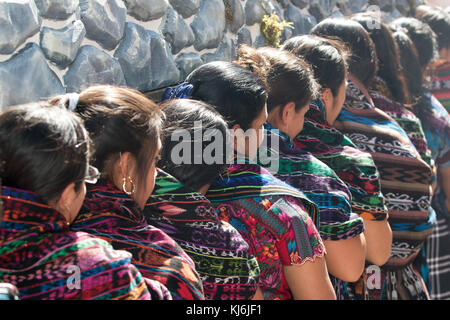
x: 97, y: 205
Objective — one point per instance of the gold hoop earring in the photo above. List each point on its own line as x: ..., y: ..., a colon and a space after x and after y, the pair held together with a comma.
x: 124, y: 186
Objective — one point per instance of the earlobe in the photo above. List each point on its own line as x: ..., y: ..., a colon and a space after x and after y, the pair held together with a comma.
x: 287, y: 110
x: 326, y: 96
x: 62, y: 205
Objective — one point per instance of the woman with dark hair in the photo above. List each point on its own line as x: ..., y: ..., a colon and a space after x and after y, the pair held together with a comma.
x: 436, y: 125
x: 439, y: 71
x: 389, y: 80
x: 405, y: 178
x: 275, y: 219
x: 44, y: 157
x: 291, y: 86
x: 125, y: 127
x: 194, y: 153
x: 390, y: 92
x: 356, y: 168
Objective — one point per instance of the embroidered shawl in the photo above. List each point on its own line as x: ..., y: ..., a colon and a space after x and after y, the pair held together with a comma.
x: 274, y: 219
x: 405, y: 183
x: 438, y: 82
x: 45, y: 260
x: 355, y: 167
x: 222, y: 259
x: 318, y: 182
x: 110, y: 214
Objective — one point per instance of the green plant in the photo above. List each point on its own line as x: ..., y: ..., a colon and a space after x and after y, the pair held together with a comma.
x: 272, y: 27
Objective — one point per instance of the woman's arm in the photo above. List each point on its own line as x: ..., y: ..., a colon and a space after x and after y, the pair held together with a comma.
x: 310, y: 281
x: 378, y: 236
x: 346, y: 258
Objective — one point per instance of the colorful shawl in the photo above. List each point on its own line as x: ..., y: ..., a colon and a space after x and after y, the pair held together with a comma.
x: 355, y: 167
x: 318, y: 182
x: 405, y: 183
x: 439, y: 83
x: 408, y: 121
x: 45, y: 260
x: 110, y: 214
x: 222, y: 259
x: 304, y: 172
x: 436, y: 125
x: 274, y: 219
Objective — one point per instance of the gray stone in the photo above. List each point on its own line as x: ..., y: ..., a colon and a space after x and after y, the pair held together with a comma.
x: 146, y: 60
x: 93, y: 66
x: 223, y: 53
x: 57, y: 9
x: 303, y: 23
x: 260, y: 41
x: 235, y: 18
x: 209, y: 24
x: 146, y: 10
x: 336, y: 14
x: 351, y: 6
x: 300, y: 3
x: 176, y: 31
x: 104, y: 21
x: 187, y: 62
x: 316, y: 10
x: 134, y: 56
x: 254, y: 12
x: 164, y: 69
x: 26, y: 77
x: 402, y: 6
x: 244, y: 36
x: 61, y: 46
x: 327, y: 6
x: 357, y: 5
x: 284, y: 3
x: 185, y: 7
x: 391, y: 16
x: 384, y: 5
x: 18, y: 21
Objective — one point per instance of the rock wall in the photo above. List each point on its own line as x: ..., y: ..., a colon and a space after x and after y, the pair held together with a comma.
x: 49, y: 47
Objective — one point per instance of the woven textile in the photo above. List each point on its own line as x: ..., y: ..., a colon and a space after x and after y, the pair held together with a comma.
x: 110, y: 214
x: 46, y: 260
x: 222, y: 259
x: 408, y: 121
x: 436, y: 125
x: 306, y: 173
x: 438, y: 82
x: 405, y: 183
x: 355, y: 167
x: 274, y: 219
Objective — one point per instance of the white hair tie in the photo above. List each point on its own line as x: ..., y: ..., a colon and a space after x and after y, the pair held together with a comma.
x: 73, y: 100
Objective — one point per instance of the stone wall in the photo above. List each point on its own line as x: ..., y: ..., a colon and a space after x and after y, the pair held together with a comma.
x: 49, y: 47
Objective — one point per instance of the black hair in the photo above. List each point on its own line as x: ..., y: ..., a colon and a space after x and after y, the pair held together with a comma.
x: 43, y: 148
x: 287, y: 78
x: 439, y: 21
x: 120, y: 119
x: 421, y: 35
x: 328, y: 59
x: 363, y: 62
x: 197, y: 120
x: 236, y: 93
x: 411, y: 68
x: 389, y: 66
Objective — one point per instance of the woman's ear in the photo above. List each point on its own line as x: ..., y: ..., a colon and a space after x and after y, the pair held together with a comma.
x: 287, y: 112
x: 327, y: 97
x: 64, y: 204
